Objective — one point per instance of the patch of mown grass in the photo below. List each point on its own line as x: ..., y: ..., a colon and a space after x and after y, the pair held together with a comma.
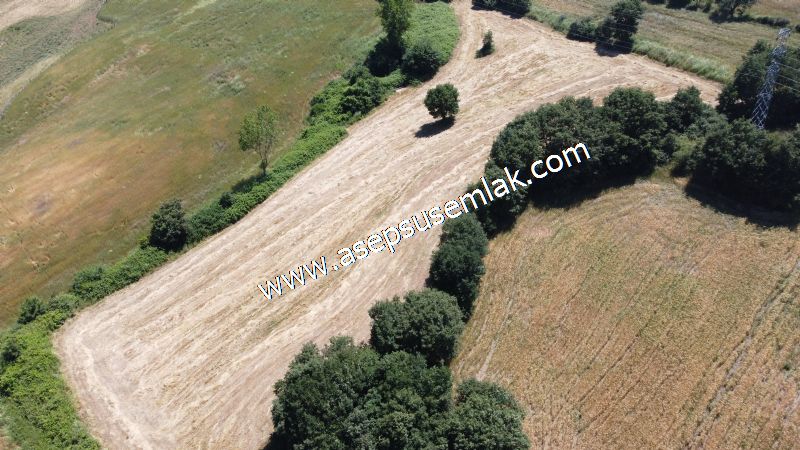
x: 37, y: 407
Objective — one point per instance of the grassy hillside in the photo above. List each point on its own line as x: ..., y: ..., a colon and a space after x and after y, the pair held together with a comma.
x: 641, y: 319
x: 680, y: 37
x: 147, y: 111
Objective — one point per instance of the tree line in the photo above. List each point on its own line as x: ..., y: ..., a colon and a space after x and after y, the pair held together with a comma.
x: 396, y: 391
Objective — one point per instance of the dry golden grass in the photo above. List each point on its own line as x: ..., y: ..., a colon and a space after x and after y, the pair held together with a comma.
x: 641, y: 319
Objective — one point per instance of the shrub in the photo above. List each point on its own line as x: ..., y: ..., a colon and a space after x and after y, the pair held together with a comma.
x: 422, y: 60
x: 488, y: 45
x: 428, y: 322
x: 363, y: 95
x: 685, y: 109
x: 486, y: 416
x: 32, y: 307
x: 582, y: 30
x: 169, y: 229
x: 65, y: 303
x: 442, y: 101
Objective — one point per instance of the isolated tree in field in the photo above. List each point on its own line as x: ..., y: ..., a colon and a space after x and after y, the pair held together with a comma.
x: 396, y: 18
x: 623, y: 22
x: 31, y: 308
x: 169, y: 229
x: 259, y: 133
x: 442, y: 101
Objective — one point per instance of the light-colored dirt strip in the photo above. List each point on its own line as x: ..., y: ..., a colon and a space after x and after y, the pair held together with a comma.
x: 187, y: 357
x: 13, y: 11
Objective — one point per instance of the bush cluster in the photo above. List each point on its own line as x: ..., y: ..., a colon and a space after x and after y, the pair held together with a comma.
x: 396, y: 393
x: 349, y: 396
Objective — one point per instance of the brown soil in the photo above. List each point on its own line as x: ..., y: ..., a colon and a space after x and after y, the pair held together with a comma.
x: 187, y: 357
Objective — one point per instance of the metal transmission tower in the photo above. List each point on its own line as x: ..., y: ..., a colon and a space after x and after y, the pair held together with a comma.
x: 765, y: 95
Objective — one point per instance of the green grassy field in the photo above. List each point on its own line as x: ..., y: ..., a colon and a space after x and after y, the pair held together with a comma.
x: 642, y: 319
x: 678, y: 37
x: 149, y: 110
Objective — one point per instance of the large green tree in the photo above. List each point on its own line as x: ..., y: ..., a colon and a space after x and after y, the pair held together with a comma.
x: 486, y: 416
x: 442, y: 101
x: 623, y: 22
x: 396, y: 19
x: 428, y: 322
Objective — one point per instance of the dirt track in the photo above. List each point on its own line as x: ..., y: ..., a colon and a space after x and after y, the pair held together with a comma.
x: 187, y: 357
x: 13, y: 11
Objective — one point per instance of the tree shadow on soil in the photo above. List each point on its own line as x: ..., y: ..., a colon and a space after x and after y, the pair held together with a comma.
x: 434, y: 128
x: 756, y: 215
x: 512, y: 15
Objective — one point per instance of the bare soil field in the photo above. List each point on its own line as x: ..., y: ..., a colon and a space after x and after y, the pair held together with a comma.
x: 641, y: 319
x: 13, y: 11
x: 187, y: 357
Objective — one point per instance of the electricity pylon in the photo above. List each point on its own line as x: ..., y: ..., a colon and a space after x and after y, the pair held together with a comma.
x: 765, y: 95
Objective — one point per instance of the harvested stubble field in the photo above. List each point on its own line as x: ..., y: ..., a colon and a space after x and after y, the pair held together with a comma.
x: 187, y: 357
x: 641, y: 319
x: 149, y: 110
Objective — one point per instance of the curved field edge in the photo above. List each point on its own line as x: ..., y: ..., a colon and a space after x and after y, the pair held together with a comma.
x: 38, y: 408
x: 641, y: 319
x: 157, y: 96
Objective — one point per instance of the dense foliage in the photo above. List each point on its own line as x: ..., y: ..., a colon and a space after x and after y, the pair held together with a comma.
x: 442, y: 101
x: 457, y: 265
x: 618, y: 28
x: 350, y: 397
x: 744, y: 162
x: 738, y: 98
x: 169, y: 230
x: 30, y: 309
x: 488, y: 45
x: 427, y: 322
x: 520, y: 7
